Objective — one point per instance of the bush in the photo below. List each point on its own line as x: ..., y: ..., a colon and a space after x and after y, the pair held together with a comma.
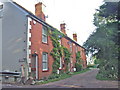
x: 91, y: 66
x: 61, y: 71
x: 78, y: 67
x: 54, y: 76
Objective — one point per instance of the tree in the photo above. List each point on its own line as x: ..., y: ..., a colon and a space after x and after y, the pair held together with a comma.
x: 104, y: 40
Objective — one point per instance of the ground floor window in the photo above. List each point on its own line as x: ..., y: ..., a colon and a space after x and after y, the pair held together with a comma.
x: 44, y: 61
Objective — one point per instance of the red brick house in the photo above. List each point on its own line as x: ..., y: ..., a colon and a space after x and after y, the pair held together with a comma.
x: 27, y: 46
x: 41, y: 46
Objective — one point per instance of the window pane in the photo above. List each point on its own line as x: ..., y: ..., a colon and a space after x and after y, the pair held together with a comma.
x: 44, y: 34
x: 45, y: 67
x: 43, y: 57
x: 46, y: 57
x: 44, y: 61
x: 44, y: 38
x: 44, y: 30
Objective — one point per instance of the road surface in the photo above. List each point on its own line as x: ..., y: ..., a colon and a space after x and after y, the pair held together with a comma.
x: 84, y: 80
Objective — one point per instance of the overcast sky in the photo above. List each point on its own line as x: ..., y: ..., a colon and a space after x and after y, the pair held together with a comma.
x: 77, y: 14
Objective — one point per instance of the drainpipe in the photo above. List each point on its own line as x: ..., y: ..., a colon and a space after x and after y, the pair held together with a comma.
x: 36, y: 67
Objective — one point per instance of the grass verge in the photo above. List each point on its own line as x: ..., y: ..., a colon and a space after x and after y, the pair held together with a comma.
x: 98, y: 77
x: 62, y: 76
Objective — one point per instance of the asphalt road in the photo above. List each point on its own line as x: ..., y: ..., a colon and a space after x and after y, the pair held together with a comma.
x: 84, y: 80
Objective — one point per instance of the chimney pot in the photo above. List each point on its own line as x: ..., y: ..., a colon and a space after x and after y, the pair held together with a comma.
x: 75, y: 37
x: 38, y: 11
x: 62, y: 28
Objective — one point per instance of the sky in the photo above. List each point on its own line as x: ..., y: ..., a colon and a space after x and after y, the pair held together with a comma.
x: 77, y: 14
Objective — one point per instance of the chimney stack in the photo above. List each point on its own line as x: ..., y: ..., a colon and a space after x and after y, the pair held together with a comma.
x: 39, y: 11
x: 62, y: 28
x: 75, y: 37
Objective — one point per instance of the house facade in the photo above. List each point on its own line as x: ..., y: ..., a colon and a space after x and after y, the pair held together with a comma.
x: 14, y: 40
x: 27, y: 45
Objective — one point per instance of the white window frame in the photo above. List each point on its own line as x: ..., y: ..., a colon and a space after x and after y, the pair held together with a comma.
x: 59, y: 41
x: 60, y: 63
x: 45, y: 60
x: 44, y: 34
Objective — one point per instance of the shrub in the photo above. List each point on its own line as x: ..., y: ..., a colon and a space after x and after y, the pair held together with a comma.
x: 91, y: 66
x: 78, y: 67
x: 54, y: 76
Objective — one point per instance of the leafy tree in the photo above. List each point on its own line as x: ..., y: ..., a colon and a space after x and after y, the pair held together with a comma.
x: 103, y: 42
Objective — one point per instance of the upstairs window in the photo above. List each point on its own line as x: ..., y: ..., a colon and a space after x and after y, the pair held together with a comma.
x: 44, y: 34
x: 71, y: 47
x: 44, y: 61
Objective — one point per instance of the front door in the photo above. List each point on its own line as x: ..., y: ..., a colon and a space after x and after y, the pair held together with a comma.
x: 34, y: 66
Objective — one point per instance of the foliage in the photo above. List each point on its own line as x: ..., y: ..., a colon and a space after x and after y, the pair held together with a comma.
x: 95, y: 62
x: 53, y: 76
x: 82, y: 71
x: 103, y: 42
x: 57, y: 50
x: 78, y: 67
x: 78, y: 62
x: 67, y: 56
x: 78, y: 57
x: 91, y: 66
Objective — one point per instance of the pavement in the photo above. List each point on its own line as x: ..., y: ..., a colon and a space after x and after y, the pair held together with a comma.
x: 84, y: 80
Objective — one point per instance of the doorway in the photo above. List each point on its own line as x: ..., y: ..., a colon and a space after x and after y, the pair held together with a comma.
x: 34, y: 66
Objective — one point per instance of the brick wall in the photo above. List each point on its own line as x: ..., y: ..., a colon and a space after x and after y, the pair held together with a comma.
x: 38, y: 46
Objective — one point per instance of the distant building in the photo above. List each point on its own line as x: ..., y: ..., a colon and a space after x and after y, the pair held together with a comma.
x: 26, y: 46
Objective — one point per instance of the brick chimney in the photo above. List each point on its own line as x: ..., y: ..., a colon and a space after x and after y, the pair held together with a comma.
x: 62, y: 28
x: 39, y: 11
x: 75, y: 37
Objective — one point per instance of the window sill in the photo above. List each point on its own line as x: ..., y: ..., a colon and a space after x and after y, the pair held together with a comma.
x: 60, y: 69
x: 45, y: 43
x: 45, y: 70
